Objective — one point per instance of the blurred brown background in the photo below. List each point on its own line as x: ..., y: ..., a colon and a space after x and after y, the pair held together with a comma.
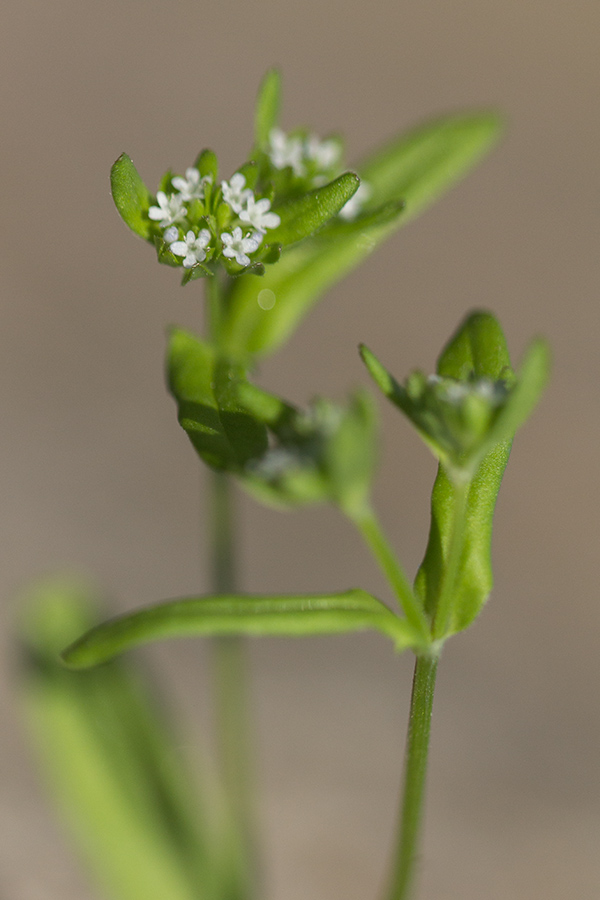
x: 97, y: 477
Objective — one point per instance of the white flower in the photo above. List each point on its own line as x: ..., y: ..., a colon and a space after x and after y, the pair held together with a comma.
x: 257, y: 214
x: 285, y: 151
x: 192, y: 186
x: 236, y: 246
x: 169, y: 210
x: 351, y: 209
x: 192, y: 248
x: 171, y: 234
x: 234, y: 192
x: 324, y: 153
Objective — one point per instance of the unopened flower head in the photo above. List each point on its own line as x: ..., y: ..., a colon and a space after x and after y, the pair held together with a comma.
x: 192, y: 186
x: 170, y: 209
x: 192, y: 247
x: 256, y: 213
x: 235, y: 192
x: 236, y: 246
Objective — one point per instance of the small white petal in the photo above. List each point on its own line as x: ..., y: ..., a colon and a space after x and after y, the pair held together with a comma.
x: 171, y: 234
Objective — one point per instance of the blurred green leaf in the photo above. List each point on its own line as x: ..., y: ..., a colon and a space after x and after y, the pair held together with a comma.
x: 204, y: 385
x: 405, y: 178
x: 267, y: 107
x: 109, y: 759
x: 131, y: 196
x: 420, y: 166
x: 293, y: 616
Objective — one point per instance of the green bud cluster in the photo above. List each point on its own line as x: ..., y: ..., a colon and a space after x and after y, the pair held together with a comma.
x: 323, y: 454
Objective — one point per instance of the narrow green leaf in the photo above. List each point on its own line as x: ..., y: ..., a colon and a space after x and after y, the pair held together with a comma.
x: 204, y: 386
x: 303, y: 216
x: 131, y: 196
x: 267, y: 107
x: 411, y: 172
x: 293, y: 616
x: 384, y: 380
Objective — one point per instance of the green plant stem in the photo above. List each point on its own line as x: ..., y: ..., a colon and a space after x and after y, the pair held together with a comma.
x: 231, y: 700
x: 415, y: 771
x: 368, y: 524
x: 214, y: 296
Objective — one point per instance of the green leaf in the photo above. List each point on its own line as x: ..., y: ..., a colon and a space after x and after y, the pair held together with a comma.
x: 204, y: 385
x: 411, y: 172
x: 110, y: 760
x: 267, y: 107
x: 420, y: 166
x: 131, y: 196
x: 478, y: 347
x: 304, y: 216
x: 261, y: 615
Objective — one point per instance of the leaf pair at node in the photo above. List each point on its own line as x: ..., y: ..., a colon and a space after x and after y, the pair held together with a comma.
x: 285, y: 456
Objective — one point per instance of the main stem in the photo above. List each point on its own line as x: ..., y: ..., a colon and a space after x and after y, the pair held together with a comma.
x: 230, y: 688
x: 415, y: 771
x: 230, y: 672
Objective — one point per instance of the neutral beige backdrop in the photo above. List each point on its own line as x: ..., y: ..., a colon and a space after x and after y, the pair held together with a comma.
x: 97, y: 477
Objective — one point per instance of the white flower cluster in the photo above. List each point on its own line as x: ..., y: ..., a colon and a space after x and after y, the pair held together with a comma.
x: 250, y: 211
x: 236, y: 245
x: 312, y: 154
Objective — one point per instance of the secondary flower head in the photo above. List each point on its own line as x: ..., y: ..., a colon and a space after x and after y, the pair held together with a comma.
x: 256, y: 213
x: 325, y: 154
x: 236, y: 246
x: 192, y: 248
x: 235, y: 192
x: 170, y: 209
x: 286, y: 151
x: 192, y: 186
